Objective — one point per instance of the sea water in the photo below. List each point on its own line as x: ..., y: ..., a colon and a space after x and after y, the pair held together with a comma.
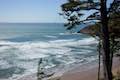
x: 22, y: 45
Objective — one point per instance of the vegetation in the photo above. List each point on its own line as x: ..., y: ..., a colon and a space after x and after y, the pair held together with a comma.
x: 107, y: 21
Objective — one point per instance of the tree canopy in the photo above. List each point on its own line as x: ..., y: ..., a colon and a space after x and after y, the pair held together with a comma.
x: 72, y: 12
x: 105, y: 24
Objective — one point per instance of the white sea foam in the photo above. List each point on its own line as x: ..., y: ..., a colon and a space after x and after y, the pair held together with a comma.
x: 3, y: 48
x: 85, y: 41
x: 51, y: 36
x: 72, y: 42
x: 41, y: 49
x: 27, y: 54
x: 4, y: 64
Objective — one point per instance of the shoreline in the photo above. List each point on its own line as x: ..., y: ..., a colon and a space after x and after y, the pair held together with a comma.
x: 61, y: 70
x: 90, y: 73
x: 82, y: 72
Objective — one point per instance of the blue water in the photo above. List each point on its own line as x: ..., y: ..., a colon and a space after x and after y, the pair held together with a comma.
x: 23, y: 44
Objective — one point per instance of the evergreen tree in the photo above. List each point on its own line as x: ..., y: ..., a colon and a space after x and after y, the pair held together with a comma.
x: 72, y: 12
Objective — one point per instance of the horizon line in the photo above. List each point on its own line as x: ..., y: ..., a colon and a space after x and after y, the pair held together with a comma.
x: 28, y: 22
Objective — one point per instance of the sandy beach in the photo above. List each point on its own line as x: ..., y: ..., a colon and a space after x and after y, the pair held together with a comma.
x: 85, y: 72
x: 90, y: 73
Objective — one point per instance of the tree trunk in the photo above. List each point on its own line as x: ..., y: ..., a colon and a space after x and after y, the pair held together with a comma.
x: 106, y: 43
x: 112, y: 50
x: 99, y: 55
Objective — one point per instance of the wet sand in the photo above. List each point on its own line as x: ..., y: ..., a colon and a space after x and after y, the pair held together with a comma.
x: 85, y: 72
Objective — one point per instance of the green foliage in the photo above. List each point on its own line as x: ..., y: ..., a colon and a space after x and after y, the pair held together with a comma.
x: 70, y: 6
x: 106, y: 25
x: 72, y: 12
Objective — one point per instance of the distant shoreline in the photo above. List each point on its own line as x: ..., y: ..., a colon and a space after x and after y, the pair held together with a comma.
x: 30, y: 23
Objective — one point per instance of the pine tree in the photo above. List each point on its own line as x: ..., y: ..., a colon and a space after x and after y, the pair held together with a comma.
x: 72, y: 12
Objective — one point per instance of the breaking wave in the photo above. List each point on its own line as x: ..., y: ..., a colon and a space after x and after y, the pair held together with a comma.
x: 25, y: 55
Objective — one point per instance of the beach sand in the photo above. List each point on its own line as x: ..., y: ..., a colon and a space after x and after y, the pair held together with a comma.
x: 85, y: 72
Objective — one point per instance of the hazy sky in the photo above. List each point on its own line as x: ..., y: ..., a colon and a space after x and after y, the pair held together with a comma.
x: 30, y: 10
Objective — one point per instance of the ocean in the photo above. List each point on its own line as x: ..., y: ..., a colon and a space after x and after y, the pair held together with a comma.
x: 22, y: 45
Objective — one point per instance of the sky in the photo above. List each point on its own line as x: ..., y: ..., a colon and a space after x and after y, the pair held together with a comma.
x: 19, y: 11
x: 30, y: 10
